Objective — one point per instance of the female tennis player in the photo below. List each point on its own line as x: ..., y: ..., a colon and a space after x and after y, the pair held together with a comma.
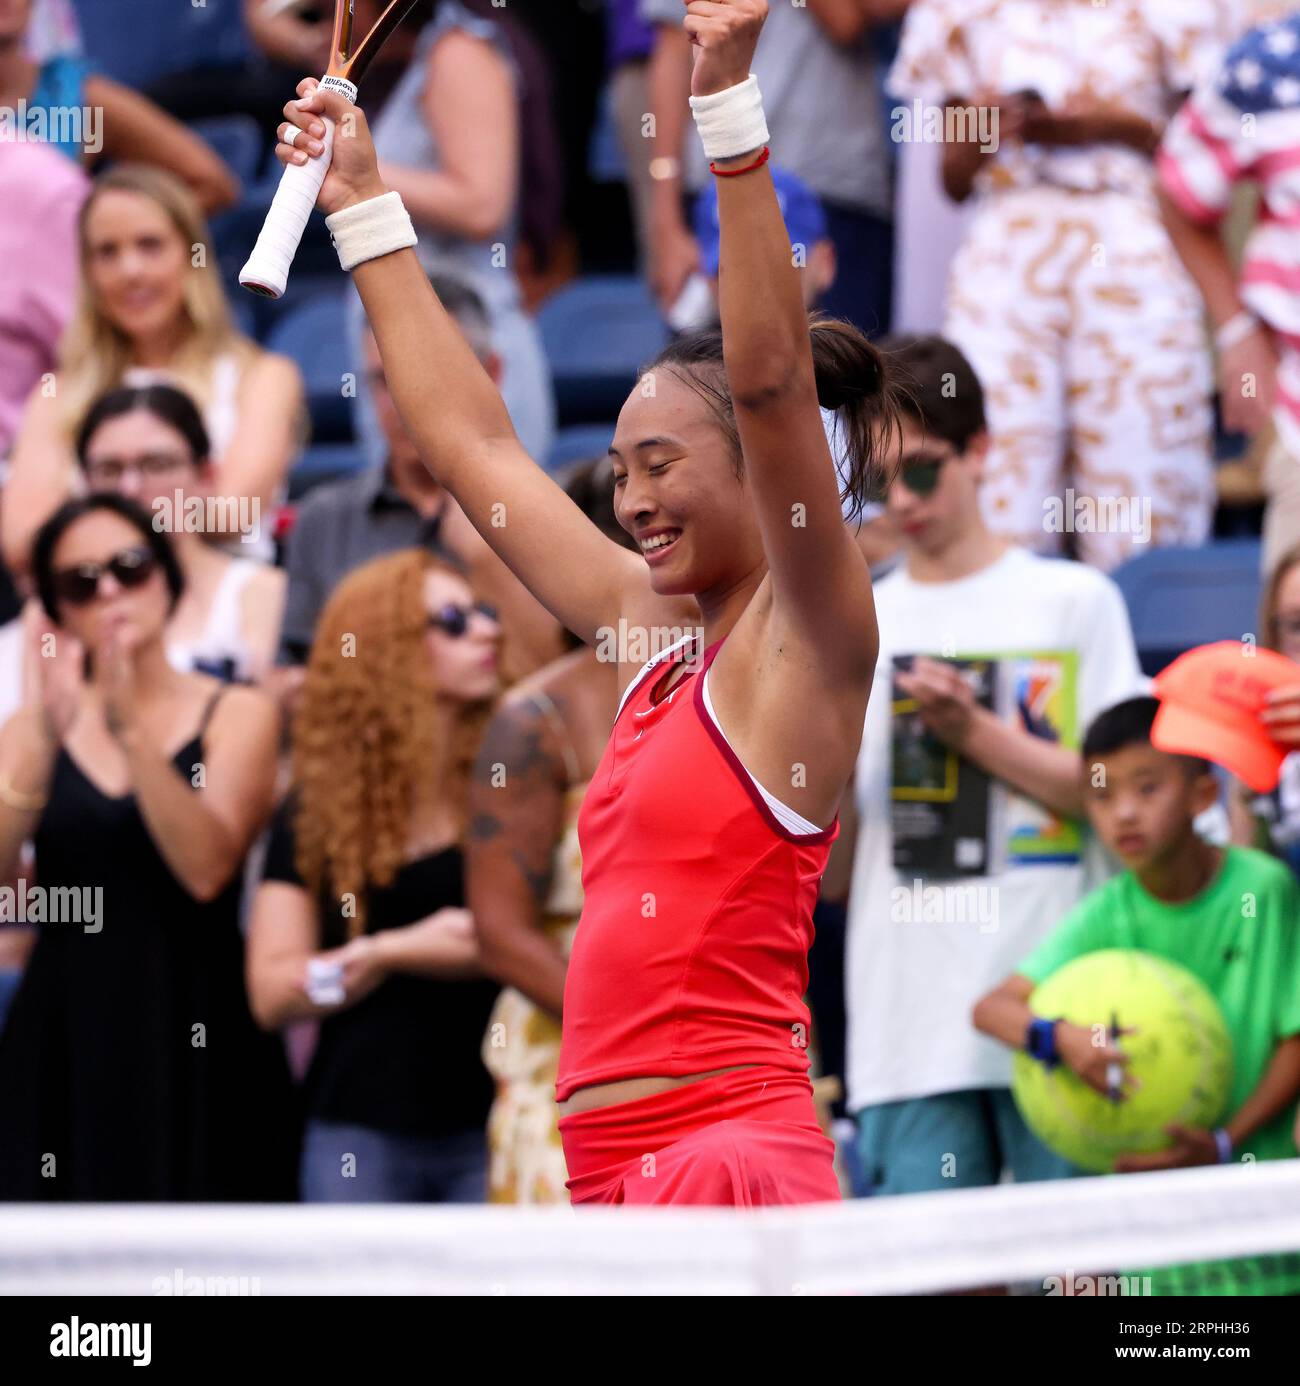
x: 684, y: 1069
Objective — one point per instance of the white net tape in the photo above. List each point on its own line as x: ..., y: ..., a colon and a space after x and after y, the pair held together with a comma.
x: 923, y: 1243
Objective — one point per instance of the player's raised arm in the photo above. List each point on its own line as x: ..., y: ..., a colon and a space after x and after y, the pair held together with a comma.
x: 447, y: 402
x: 820, y: 581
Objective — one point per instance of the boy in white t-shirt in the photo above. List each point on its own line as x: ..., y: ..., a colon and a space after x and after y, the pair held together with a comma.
x: 971, y: 846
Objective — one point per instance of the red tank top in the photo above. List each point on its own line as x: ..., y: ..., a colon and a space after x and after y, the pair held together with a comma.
x: 692, y: 949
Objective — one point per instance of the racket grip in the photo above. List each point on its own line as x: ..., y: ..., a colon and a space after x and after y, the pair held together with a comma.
x: 267, y: 270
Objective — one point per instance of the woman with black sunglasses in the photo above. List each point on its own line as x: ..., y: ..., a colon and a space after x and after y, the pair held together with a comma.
x: 130, y: 1068
x: 360, y: 921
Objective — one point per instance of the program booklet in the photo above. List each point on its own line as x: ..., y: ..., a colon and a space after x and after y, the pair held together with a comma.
x: 951, y: 818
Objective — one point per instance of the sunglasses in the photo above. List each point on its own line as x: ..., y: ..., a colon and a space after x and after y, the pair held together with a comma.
x: 453, y: 620
x: 80, y: 585
x: 921, y: 474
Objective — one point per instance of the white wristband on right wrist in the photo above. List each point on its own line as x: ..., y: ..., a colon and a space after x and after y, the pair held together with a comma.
x: 731, y: 122
x: 370, y: 229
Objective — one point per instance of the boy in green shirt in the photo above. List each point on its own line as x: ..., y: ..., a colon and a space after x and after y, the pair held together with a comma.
x: 1231, y: 916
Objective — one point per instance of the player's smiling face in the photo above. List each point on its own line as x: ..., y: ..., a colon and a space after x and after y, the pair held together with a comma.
x: 678, y: 490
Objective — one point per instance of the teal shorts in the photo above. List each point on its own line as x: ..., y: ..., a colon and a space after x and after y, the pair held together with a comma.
x: 953, y: 1140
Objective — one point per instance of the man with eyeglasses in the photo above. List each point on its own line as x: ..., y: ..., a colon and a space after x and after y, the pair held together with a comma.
x: 968, y: 795
x: 397, y: 505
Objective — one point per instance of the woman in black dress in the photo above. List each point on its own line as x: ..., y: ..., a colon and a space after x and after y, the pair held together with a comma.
x: 130, y: 1068
x: 360, y: 921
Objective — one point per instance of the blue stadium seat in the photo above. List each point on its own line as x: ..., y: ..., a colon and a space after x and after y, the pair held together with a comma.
x: 1180, y: 598
x: 140, y: 41
x: 598, y: 332
x: 241, y: 310
x: 314, y: 333
x: 324, y: 462
x: 238, y: 140
x: 580, y: 443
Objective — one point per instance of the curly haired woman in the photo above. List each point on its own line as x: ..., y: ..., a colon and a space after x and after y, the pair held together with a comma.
x: 360, y: 918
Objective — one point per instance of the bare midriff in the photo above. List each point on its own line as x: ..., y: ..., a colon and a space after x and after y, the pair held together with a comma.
x: 629, y: 1089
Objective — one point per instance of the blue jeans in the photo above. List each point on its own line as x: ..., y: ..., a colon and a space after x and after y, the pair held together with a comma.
x: 357, y: 1164
x: 952, y: 1140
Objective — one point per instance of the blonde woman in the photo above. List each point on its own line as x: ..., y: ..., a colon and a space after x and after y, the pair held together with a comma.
x: 151, y: 309
x: 360, y: 919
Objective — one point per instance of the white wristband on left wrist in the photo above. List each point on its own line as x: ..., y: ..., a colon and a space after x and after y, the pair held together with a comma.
x: 731, y: 122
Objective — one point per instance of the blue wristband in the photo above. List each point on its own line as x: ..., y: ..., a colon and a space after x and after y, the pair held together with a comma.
x: 1040, y: 1042
x: 1223, y: 1144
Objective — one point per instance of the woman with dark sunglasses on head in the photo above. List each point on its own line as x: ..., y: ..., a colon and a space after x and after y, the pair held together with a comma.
x: 360, y: 921
x: 130, y: 1067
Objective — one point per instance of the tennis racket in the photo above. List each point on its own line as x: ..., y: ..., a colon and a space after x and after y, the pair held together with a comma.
x: 267, y: 270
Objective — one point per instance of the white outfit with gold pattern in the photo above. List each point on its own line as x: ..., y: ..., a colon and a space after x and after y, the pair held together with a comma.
x: 1067, y: 295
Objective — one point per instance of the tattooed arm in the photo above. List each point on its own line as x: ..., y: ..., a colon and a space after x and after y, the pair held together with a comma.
x: 516, y: 816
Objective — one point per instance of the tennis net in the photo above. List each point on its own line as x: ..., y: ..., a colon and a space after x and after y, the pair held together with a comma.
x: 1073, y: 1236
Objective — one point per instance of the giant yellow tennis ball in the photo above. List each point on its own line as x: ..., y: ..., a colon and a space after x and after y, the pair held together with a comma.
x: 1181, y: 1053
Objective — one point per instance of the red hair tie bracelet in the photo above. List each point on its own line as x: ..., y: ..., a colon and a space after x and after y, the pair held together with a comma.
x: 763, y: 157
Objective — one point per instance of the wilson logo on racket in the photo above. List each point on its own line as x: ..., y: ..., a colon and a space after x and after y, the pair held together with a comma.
x: 267, y: 270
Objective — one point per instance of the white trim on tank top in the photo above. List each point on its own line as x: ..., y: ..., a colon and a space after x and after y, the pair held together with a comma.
x: 791, y: 821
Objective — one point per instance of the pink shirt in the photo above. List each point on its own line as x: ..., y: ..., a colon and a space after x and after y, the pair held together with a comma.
x: 41, y: 193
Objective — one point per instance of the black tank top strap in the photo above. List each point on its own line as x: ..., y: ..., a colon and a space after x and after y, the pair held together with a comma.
x: 209, y: 710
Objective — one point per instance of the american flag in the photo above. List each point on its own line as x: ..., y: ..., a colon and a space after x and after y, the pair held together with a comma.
x: 1243, y: 125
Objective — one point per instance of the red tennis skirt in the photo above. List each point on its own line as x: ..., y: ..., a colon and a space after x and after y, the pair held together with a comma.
x: 746, y: 1139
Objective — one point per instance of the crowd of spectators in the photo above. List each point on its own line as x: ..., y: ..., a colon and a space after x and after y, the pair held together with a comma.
x: 266, y: 714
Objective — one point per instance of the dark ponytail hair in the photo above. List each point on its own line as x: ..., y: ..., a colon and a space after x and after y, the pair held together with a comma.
x: 172, y: 406
x: 852, y: 379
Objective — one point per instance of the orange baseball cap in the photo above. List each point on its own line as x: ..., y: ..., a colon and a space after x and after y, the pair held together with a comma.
x: 1210, y: 701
